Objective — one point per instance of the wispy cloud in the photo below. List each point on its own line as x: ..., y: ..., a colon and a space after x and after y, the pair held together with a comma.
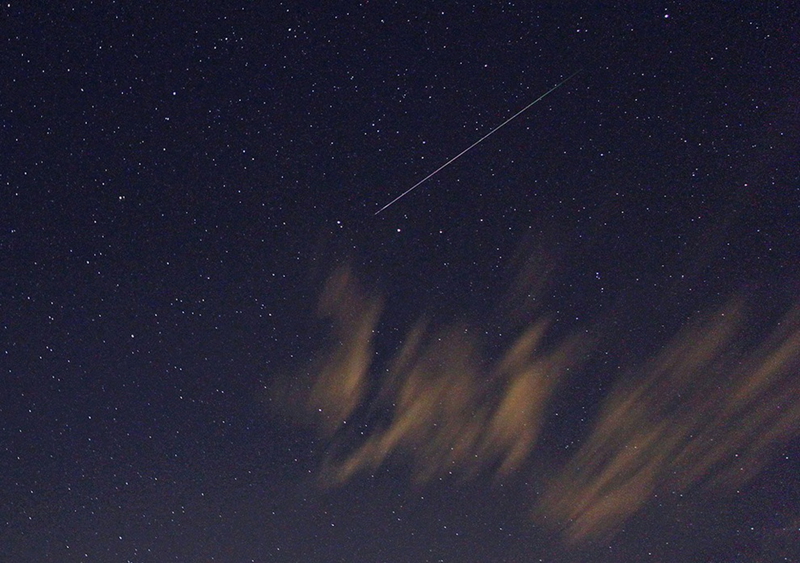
x: 704, y: 412
x: 449, y: 409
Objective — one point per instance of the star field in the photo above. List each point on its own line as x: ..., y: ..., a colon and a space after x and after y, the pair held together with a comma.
x: 578, y: 342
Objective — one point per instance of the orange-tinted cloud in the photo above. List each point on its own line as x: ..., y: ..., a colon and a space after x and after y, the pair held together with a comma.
x: 340, y: 375
x: 703, y: 412
x: 451, y: 415
x: 449, y: 411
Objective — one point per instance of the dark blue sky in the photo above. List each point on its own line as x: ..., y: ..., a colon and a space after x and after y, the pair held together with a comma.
x: 179, y: 181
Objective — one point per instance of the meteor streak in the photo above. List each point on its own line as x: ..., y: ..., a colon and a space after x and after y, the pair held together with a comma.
x: 479, y: 141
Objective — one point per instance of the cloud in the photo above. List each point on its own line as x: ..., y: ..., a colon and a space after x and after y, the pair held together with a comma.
x: 705, y: 412
x: 448, y: 409
x: 450, y: 415
x: 340, y: 376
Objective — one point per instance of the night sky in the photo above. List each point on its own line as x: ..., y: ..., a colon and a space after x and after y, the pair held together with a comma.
x: 579, y: 342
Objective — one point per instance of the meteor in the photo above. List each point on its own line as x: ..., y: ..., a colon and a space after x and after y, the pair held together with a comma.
x: 479, y: 141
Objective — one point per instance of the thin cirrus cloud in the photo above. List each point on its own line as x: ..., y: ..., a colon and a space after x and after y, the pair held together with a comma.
x: 706, y: 410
